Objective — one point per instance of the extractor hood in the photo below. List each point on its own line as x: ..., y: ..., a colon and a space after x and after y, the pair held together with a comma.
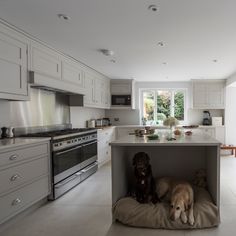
x: 75, y: 93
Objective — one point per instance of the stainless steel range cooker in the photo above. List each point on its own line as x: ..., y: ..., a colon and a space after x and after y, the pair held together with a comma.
x: 74, y: 157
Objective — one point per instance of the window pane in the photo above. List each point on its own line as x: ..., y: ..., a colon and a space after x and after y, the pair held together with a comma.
x: 163, y: 105
x: 148, y: 106
x: 179, y: 105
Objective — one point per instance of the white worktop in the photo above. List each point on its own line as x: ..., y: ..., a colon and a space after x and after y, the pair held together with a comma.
x: 183, y: 140
x: 16, y: 142
x: 164, y: 127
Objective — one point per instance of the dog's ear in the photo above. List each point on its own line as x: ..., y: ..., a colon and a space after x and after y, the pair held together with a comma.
x: 134, y: 159
x: 147, y: 157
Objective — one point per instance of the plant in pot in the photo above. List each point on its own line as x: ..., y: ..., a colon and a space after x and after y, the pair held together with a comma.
x: 160, y: 118
x: 171, y: 122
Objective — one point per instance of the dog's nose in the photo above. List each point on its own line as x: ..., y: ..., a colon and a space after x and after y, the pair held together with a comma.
x: 172, y: 218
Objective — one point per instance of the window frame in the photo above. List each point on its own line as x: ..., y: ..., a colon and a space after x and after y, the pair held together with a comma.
x: 173, y: 91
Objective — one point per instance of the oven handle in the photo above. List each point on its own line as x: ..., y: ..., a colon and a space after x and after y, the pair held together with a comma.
x: 75, y: 176
x: 71, y: 149
x: 84, y: 145
x: 88, y: 168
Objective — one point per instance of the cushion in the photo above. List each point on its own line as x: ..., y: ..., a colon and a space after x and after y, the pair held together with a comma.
x: 128, y: 211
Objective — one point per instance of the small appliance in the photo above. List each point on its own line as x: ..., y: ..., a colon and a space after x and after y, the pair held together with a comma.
x: 206, y: 118
x: 217, y: 121
x: 121, y: 100
x: 91, y: 123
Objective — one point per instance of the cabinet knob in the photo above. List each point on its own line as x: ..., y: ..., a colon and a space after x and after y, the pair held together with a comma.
x: 16, y: 202
x: 13, y: 157
x: 15, y: 177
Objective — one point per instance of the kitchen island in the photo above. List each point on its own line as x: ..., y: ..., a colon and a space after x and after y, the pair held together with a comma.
x: 179, y: 158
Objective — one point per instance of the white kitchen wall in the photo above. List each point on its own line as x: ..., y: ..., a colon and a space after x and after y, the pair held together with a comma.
x: 79, y: 115
x: 132, y: 117
x: 195, y: 116
x: 230, y: 115
x: 123, y: 117
x: 4, y: 113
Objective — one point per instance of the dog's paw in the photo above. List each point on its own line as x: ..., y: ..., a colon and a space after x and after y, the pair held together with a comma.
x: 184, y: 218
x: 191, y: 220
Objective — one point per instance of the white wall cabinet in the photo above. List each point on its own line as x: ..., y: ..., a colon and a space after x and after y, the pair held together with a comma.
x: 72, y: 72
x: 24, y: 177
x: 105, y: 136
x: 21, y: 54
x: 97, y: 90
x: 13, y: 65
x: 121, y: 88
x: 52, y: 69
x: 208, y: 94
x: 45, y: 61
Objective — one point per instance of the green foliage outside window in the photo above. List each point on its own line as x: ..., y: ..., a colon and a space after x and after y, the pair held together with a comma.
x: 155, y: 112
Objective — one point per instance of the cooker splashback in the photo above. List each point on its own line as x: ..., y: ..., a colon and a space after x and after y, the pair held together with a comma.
x: 44, y: 108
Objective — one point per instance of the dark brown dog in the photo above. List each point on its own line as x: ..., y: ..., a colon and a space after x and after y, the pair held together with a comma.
x: 145, y: 189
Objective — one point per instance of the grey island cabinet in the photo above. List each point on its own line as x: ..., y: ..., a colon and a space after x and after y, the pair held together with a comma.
x: 179, y: 158
x: 24, y: 174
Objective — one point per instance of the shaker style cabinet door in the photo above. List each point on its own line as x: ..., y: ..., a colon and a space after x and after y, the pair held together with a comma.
x: 89, y: 98
x: 209, y: 95
x: 45, y: 61
x: 13, y: 66
x: 199, y: 95
x: 72, y: 73
x: 216, y: 95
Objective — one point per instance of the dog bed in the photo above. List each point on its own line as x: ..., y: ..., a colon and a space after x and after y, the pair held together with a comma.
x: 128, y: 211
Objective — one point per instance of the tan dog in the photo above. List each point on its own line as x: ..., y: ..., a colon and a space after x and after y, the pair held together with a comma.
x: 181, y: 197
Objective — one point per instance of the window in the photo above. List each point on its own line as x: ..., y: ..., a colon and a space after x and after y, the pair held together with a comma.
x: 160, y: 104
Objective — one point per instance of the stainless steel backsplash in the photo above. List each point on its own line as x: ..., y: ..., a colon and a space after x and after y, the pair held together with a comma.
x: 45, y: 108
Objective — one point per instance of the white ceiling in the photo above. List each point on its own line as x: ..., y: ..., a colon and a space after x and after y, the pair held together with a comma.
x: 195, y: 32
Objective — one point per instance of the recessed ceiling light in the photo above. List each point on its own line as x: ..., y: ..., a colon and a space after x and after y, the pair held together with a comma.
x: 106, y: 52
x: 161, y: 44
x: 152, y: 8
x: 63, y: 16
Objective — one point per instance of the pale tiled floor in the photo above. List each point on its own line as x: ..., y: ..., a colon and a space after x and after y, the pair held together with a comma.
x: 86, y: 211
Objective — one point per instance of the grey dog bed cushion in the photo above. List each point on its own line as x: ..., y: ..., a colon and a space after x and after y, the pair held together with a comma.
x: 128, y: 211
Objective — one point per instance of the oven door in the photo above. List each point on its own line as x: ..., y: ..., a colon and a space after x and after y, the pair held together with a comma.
x: 66, y: 162
x: 89, y: 153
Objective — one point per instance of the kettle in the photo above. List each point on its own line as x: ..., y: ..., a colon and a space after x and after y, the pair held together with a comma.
x: 206, y: 118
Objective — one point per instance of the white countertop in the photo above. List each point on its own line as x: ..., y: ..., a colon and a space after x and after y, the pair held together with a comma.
x: 165, y: 127
x: 16, y: 142
x: 183, y: 140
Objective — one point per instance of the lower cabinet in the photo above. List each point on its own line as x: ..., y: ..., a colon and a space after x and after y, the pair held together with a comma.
x: 23, y: 181
x: 105, y: 136
x: 217, y: 132
x: 20, y: 199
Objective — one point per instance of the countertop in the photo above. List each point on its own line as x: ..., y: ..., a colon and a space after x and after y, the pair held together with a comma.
x: 183, y: 140
x: 165, y: 127
x: 17, y: 142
